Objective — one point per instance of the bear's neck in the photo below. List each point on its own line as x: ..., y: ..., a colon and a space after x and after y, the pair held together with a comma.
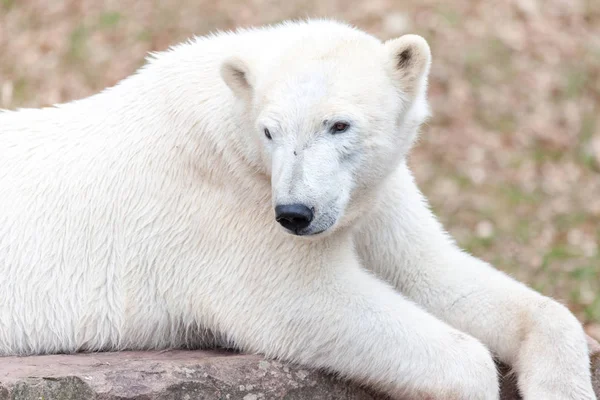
x: 178, y: 105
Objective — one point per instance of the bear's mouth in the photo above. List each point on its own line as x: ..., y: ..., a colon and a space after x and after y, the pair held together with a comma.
x: 311, y: 231
x: 304, y: 232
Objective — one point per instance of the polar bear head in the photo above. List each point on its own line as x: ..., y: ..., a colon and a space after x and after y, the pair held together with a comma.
x: 331, y: 116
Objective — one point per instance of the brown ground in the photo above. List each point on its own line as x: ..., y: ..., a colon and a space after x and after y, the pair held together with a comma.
x: 510, y: 160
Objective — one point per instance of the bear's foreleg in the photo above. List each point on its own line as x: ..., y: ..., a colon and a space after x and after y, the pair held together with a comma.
x: 404, y: 244
x: 346, y: 321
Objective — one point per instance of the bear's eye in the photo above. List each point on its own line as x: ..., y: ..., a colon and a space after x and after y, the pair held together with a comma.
x: 268, y: 134
x: 339, y: 127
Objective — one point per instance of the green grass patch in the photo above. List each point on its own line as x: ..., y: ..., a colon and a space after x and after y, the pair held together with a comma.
x: 557, y: 253
x: 78, y: 43
x: 585, y: 156
x: 476, y: 245
x: 451, y: 16
x: 7, y: 4
x: 576, y: 82
x: 144, y: 35
x: 541, y: 153
x: 571, y: 219
x: 20, y: 91
x: 503, y: 123
x: 592, y: 312
x: 585, y: 273
x: 109, y: 19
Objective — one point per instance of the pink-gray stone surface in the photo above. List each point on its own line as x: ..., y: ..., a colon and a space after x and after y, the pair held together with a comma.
x: 183, y: 375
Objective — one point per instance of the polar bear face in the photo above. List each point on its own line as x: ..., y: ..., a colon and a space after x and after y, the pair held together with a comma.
x: 332, y: 123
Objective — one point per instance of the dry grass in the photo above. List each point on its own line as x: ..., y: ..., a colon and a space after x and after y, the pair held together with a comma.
x: 510, y: 161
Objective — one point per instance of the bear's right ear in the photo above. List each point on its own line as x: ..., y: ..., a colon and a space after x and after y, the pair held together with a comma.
x: 409, y: 60
x: 236, y: 75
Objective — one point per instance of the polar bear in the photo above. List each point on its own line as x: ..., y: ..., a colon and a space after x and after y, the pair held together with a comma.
x: 250, y: 189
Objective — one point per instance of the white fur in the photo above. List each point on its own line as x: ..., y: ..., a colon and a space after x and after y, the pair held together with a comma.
x: 142, y: 217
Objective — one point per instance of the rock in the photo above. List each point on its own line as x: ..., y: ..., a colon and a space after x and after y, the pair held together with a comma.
x: 166, y: 375
x: 184, y: 375
x: 595, y: 358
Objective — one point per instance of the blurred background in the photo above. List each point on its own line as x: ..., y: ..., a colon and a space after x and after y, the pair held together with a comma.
x: 510, y: 160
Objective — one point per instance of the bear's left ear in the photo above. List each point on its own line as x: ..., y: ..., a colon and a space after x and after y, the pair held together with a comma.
x: 236, y: 75
x: 409, y: 60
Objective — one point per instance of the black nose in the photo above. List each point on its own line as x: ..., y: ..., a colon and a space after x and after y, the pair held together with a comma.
x: 294, y: 217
